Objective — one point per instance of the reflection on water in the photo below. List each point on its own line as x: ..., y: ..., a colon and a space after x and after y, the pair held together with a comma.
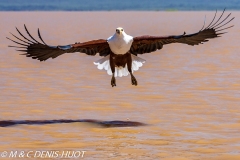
x: 190, y: 96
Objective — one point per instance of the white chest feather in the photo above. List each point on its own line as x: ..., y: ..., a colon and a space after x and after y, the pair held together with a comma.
x: 120, y: 44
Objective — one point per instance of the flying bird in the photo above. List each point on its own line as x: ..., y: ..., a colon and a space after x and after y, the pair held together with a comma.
x: 120, y: 51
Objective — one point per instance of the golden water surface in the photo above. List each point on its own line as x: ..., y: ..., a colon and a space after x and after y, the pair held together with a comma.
x: 189, y: 97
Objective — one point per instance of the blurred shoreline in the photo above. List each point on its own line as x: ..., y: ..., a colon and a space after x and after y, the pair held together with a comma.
x: 124, y: 5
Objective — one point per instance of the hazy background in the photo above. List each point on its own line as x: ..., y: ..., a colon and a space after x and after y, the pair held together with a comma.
x: 123, y: 5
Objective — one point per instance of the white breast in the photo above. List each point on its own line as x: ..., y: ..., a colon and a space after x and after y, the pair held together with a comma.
x: 120, y: 44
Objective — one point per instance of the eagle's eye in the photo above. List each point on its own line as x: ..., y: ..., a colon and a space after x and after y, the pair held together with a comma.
x: 121, y: 29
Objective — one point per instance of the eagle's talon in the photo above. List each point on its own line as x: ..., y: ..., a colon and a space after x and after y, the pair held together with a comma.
x: 113, y: 82
x: 134, y: 81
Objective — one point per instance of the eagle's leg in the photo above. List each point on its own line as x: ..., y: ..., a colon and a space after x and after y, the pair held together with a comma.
x: 129, y: 65
x: 113, y: 81
x: 112, y: 65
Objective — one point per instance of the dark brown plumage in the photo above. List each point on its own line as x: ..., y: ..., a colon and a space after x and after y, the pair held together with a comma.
x: 42, y: 51
x: 147, y: 44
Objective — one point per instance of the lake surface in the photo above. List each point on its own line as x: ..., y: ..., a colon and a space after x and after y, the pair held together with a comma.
x: 189, y: 97
x: 123, y: 5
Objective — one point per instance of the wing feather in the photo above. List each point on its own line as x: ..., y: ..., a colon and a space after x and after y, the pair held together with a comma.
x: 146, y: 44
x: 41, y: 51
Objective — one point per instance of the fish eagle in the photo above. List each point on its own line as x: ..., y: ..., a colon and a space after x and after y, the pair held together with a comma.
x: 120, y: 51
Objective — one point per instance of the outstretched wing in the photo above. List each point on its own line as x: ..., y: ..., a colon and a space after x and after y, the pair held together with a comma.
x: 147, y: 44
x: 41, y: 51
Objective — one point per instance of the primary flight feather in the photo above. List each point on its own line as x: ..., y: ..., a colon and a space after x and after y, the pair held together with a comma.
x: 121, y: 50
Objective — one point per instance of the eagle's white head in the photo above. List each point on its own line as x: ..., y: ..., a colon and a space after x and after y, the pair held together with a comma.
x: 120, y: 31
